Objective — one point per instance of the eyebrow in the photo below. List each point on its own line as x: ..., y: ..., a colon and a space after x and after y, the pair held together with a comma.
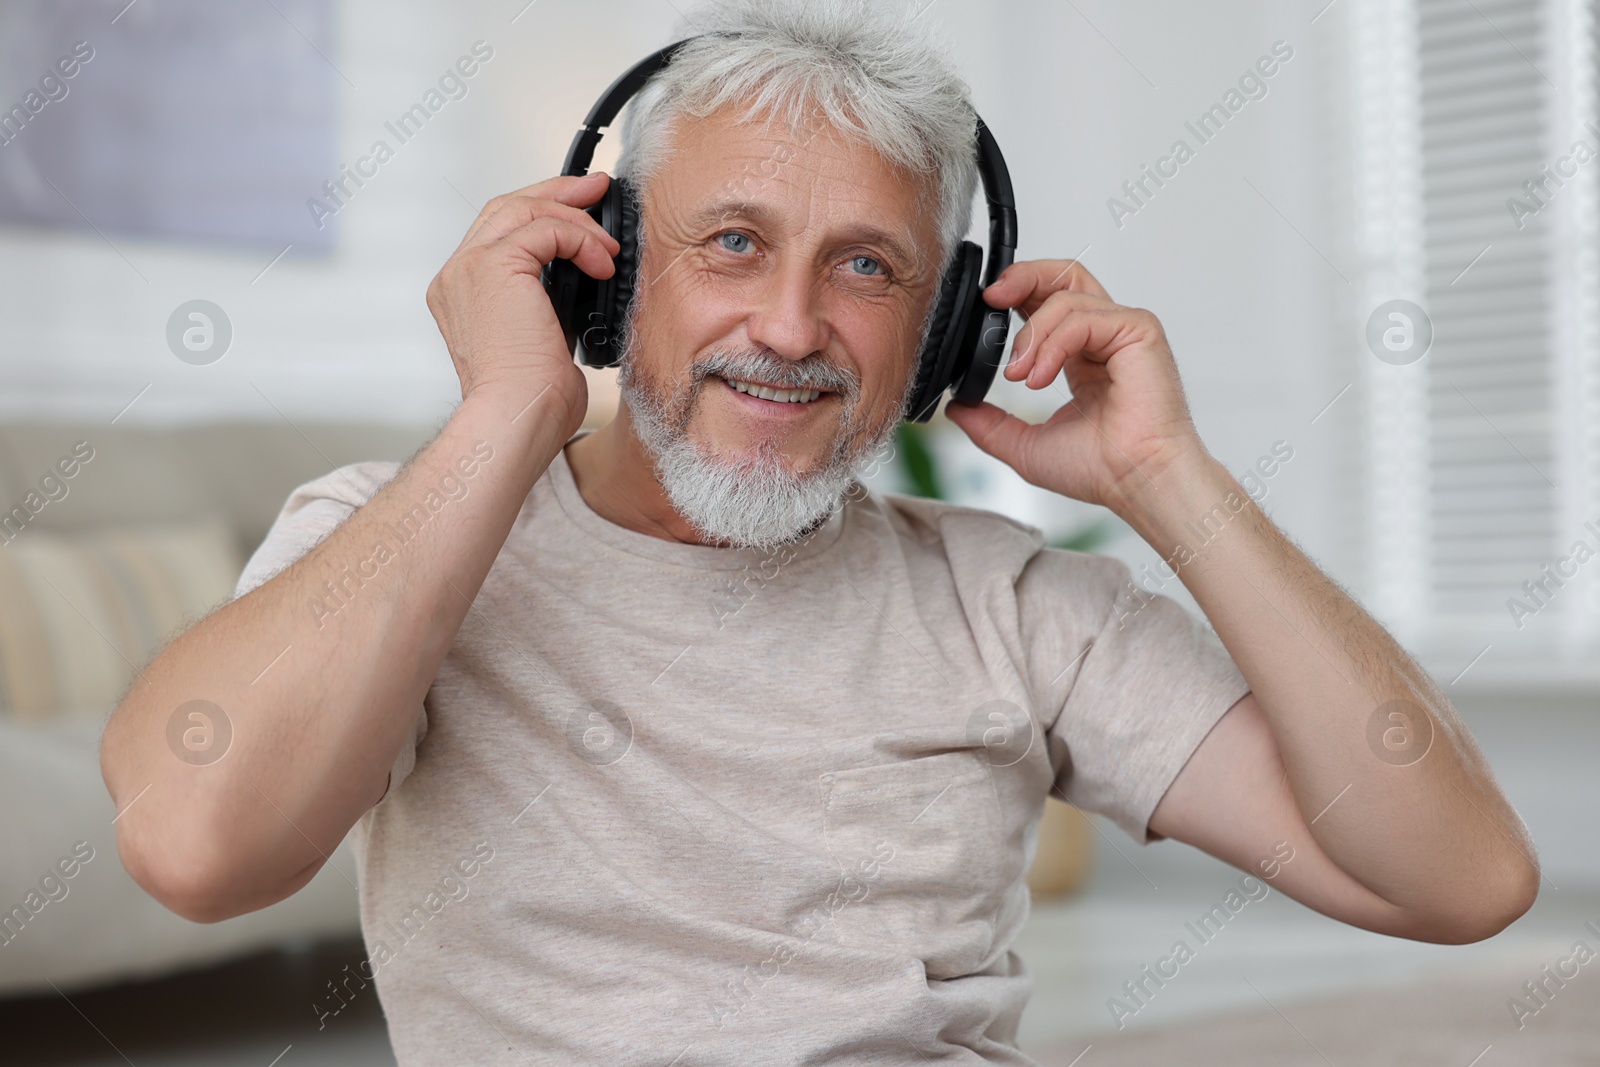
x: 763, y: 215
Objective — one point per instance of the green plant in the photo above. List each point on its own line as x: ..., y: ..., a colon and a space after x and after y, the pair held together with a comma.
x: 921, y: 470
x: 1086, y: 538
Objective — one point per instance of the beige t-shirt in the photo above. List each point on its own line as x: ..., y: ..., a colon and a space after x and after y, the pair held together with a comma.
x: 676, y: 804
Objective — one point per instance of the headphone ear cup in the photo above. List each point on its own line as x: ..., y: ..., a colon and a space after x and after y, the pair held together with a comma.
x: 599, y: 313
x: 579, y: 300
x: 562, y: 281
x: 951, y: 311
x: 982, y: 349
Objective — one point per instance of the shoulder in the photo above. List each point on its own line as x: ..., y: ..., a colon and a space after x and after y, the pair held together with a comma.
x: 956, y: 526
x: 351, y: 486
x: 974, y: 538
x: 313, y: 511
x: 975, y: 533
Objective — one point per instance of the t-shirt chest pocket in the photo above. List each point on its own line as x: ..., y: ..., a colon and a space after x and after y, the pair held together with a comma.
x: 921, y: 852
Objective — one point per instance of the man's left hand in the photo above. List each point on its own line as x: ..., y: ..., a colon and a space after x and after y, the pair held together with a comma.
x: 1127, y: 420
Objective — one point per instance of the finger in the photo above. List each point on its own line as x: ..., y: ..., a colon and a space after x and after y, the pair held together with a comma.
x: 552, y: 237
x: 1038, y: 326
x: 993, y: 429
x: 1096, y: 334
x: 520, y: 211
x: 578, y: 191
x: 515, y: 212
x: 1028, y: 284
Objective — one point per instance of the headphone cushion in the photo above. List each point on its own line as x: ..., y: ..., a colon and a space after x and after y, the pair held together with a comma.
x: 625, y: 229
x: 943, y: 332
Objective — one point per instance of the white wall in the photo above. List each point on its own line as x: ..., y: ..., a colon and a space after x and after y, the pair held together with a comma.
x: 1248, y: 303
x: 1244, y: 299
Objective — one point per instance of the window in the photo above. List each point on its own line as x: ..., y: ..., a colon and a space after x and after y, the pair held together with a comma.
x: 1475, y: 199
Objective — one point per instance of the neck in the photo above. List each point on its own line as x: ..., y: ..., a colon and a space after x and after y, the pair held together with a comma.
x: 616, y: 478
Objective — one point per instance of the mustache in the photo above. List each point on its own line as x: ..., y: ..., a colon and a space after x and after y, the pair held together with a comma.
x: 756, y: 364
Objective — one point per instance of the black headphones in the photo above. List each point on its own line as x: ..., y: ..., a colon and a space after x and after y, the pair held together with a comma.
x: 965, y: 337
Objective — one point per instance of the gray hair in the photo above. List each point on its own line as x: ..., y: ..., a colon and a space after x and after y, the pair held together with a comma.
x: 865, y: 67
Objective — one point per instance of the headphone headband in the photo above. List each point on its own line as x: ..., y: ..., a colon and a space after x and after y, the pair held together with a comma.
x: 1002, y: 202
x: 606, y: 109
x: 992, y: 169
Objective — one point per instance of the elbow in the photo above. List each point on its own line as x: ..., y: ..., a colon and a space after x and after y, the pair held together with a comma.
x: 180, y: 863
x: 200, y: 873
x: 183, y: 884
x: 1516, y: 893
x: 1494, y: 903
x: 197, y: 906
x: 195, y: 852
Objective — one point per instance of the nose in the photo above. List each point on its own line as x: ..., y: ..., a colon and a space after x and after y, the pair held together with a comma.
x: 788, y: 318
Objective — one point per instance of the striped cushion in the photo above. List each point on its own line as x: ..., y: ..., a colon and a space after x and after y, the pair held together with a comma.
x: 78, y: 613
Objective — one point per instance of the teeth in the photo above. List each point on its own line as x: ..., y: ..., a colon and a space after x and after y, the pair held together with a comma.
x: 782, y: 396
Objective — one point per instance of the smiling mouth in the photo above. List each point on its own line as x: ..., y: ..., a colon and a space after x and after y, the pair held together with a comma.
x: 774, y: 394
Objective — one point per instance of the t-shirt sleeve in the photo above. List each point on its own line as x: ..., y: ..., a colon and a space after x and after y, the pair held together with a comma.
x: 1131, y: 681
x: 312, y: 512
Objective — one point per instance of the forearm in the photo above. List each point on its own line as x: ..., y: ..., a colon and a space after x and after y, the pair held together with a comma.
x: 1420, y: 824
x: 320, y: 672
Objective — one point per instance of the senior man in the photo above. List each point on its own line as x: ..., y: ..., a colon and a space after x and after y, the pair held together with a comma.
x: 603, y: 818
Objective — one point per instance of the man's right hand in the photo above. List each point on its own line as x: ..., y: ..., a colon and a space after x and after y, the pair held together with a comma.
x: 491, y: 305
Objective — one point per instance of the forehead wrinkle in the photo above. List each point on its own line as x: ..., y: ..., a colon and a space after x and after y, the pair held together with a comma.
x: 819, y: 148
x: 901, y: 243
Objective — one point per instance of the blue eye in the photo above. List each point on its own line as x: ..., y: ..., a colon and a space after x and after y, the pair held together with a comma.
x: 743, y: 244
x: 867, y: 265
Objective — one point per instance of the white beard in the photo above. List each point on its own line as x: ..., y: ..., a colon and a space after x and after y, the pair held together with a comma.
x: 753, y: 501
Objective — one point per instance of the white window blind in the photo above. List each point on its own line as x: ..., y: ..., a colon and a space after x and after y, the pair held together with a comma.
x: 1481, y: 457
